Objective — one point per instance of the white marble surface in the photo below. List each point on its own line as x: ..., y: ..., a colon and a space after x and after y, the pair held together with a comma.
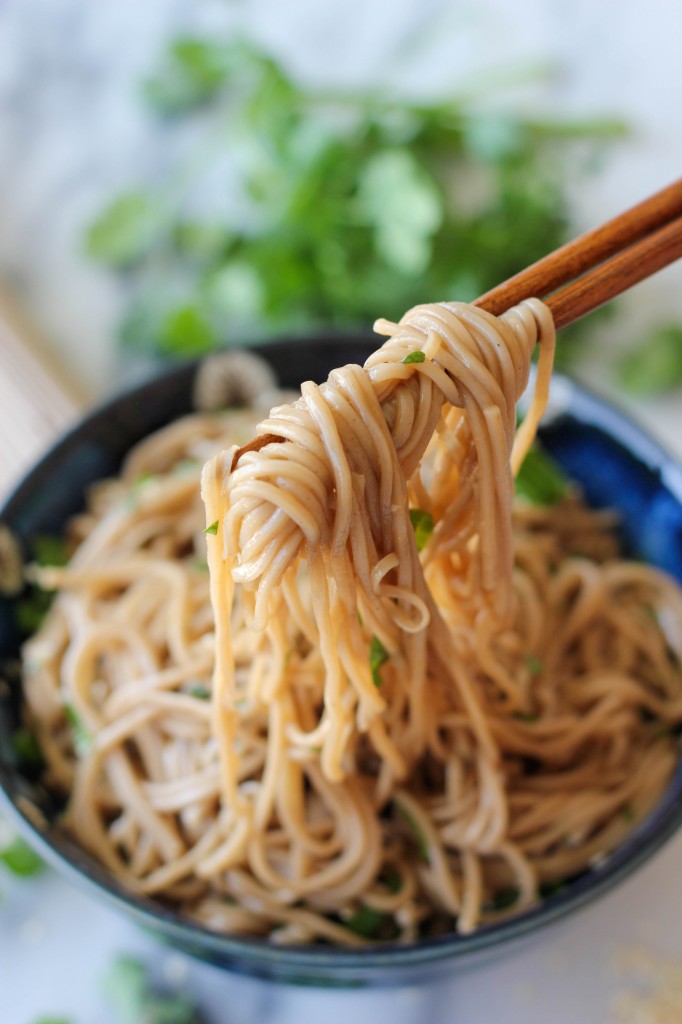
x: 70, y: 134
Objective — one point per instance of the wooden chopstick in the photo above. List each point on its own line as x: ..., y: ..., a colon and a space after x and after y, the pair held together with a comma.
x: 589, y: 250
x: 588, y: 271
x: 616, y: 275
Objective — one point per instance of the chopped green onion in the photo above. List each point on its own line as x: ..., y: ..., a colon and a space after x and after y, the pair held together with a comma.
x: 415, y: 357
x: 522, y: 716
x: 82, y: 740
x: 540, y: 480
x: 628, y: 813
x: 213, y: 528
x: 533, y: 664
x: 20, y: 859
x: 422, y: 524
x: 200, y: 565
x: 415, y: 828
x: 377, y: 656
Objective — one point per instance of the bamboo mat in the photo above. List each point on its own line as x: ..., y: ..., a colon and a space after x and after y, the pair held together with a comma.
x: 37, y: 402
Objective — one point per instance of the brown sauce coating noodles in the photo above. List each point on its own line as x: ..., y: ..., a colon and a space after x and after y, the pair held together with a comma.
x: 372, y: 741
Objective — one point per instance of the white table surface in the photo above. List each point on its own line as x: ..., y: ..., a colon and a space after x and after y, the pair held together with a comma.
x: 69, y: 136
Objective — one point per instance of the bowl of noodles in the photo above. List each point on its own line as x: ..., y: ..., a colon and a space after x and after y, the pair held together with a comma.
x: 347, y: 706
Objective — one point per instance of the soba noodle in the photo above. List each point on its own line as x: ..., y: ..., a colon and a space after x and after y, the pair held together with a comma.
x: 424, y: 704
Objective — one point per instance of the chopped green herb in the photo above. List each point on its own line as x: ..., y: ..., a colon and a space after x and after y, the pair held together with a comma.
x: 186, y: 467
x: 628, y: 813
x: 523, y: 716
x: 125, y: 230
x: 186, y: 331
x: 127, y: 986
x: 49, y: 550
x: 549, y: 888
x: 650, y: 612
x: 422, y: 524
x: 82, y: 740
x: 143, y: 478
x: 655, y: 365
x: 192, y: 72
x: 540, y: 480
x: 368, y: 922
x: 533, y: 664
x: 392, y: 880
x: 415, y: 357
x: 27, y: 749
x: 662, y: 732
x: 30, y: 611
x: 213, y: 528
x: 502, y: 899
x: 20, y: 859
x: 200, y: 565
x: 351, y: 205
x: 377, y: 656
x: 409, y: 819
x: 200, y: 692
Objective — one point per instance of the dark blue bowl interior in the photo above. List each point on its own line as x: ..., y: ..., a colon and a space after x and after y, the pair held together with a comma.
x: 617, y: 465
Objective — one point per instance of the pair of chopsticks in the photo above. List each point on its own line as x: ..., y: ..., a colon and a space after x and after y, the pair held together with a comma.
x: 587, y: 272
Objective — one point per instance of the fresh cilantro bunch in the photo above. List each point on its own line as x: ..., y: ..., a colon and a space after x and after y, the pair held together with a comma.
x: 350, y: 205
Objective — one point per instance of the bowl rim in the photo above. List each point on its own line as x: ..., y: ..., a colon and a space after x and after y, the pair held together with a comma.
x: 254, y: 952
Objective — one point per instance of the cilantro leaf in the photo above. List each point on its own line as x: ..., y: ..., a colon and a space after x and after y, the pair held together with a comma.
x: 502, y: 899
x: 348, y: 203
x: 30, y: 611
x: 213, y: 528
x: 49, y: 550
x: 655, y: 365
x: 199, y: 692
x: 368, y: 922
x: 127, y: 986
x: 378, y: 655
x: 422, y: 524
x: 125, y: 231
x: 20, y: 859
x: 415, y: 828
x: 27, y: 750
x: 533, y: 664
x: 192, y: 73
x: 82, y: 739
x: 415, y: 357
x: 186, y: 331
x: 540, y: 480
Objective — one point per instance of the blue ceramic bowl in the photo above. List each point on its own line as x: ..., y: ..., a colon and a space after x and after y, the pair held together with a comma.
x: 617, y: 465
